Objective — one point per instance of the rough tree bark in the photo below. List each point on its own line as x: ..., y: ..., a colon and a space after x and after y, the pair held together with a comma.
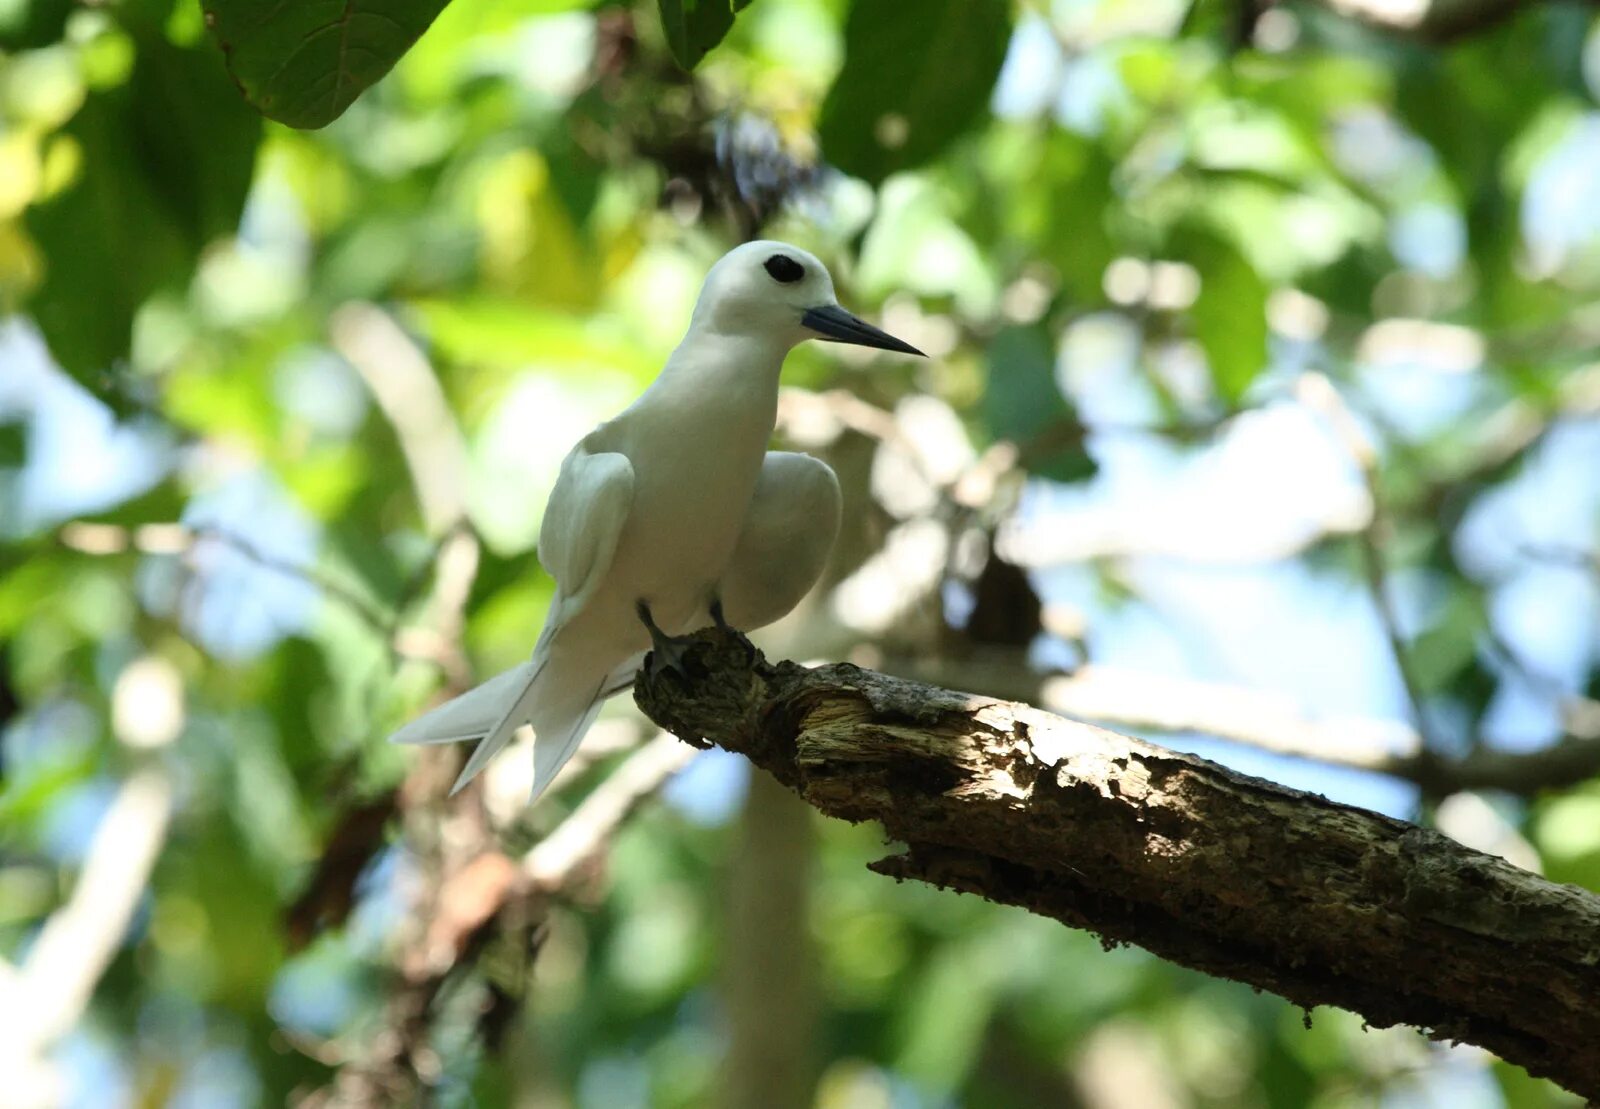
x: 1321, y: 903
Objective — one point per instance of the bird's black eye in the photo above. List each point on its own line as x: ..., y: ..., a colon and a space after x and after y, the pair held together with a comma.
x: 784, y: 268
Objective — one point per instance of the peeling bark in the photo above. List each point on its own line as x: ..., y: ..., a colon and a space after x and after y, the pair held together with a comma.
x: 1321, y: 903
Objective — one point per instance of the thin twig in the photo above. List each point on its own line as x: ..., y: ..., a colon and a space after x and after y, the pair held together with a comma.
x: 44, y: 998
x: 579, y: 838
x: 408, y: 392
x: 92, y: 538
x: 1318, y: 393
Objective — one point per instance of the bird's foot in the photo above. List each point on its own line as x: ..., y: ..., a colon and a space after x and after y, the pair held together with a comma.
x: 732, y: 632
x: 667, y: 652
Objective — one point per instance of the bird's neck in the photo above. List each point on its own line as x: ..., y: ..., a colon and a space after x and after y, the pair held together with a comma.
x: 711, y: 363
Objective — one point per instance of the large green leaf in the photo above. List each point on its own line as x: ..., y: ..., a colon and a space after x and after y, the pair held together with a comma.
x: 13, y: 444
x: 915, y: 76
x: 1230, y: 314
x: 303, y: 63
x: 28, y: 24
x: 694, y: 27
x: 1023, y: 403
x: 166, y: 160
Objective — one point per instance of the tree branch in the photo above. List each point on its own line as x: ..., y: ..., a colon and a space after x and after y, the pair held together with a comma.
x: 1234, y: 876
x: 1268, y: 721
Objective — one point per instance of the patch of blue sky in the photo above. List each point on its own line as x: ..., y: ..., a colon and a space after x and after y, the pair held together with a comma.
x: 52, y: 734
x: 1312, y: 634
x: 1553, y: 503
x: 1429, y: 237
x: 1090, y: 91
x: 1416, y: 400
x: 1096, y: 365
x: 1031, y: 70
x: 73, y: 818
x: 1459, y: 1079
x: 1561, y: 202
x: 233, y: 605
x: 322, y: 390
x: 79, y: 458
x: 385, y: 894
x: 1547, y: 613
x: 1260, y: 618
x: 710, y: 789
x: 95, y: 1074
x: 319, y: 991
x: 221, y: 1078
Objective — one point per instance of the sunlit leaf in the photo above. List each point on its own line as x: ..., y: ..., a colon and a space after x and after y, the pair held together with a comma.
x: 1230, y: 314
x: 27, y: 24
x: 165, y: 164
x: 1023, y: 403
x: 694, y: 27
x: 304, y: 63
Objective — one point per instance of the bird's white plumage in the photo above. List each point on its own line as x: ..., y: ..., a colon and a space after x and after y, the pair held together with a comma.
x: 784, y: 544
x: 674, y: 503
x: 470, y: 716
x: 583, y: 520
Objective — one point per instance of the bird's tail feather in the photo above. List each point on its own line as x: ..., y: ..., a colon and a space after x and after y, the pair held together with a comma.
x: 560, y: 705
x: 515, y: 712
x: 474, y: 713
x: 554, y: 745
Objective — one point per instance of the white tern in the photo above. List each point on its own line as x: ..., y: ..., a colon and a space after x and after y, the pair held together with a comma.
x: 673, y: 514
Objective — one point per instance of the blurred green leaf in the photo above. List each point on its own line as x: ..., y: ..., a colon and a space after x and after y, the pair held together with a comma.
x: 1073, y: 211
x: 694, y: 27
x: 1523, y: 1091
x: 24, y: 802
x: 29, y: 24
x: 1567, y: 831
x: 13, y: 444
x: 304, y: 63
x: 1023, y: 403
x: 161, y: 504
x: 944, y: 1014
x: 166, y: 163
x: 1230, y: 313
x: 914, y: 78
x: 1446, y: 648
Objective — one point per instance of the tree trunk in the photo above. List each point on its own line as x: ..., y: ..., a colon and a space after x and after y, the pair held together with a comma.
x: 1321, y: 903
x: 769, y: 974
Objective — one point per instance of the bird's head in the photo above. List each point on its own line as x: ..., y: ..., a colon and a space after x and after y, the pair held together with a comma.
x: 767, y: 288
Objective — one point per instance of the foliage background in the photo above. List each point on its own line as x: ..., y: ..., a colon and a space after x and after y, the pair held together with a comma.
x: 1262, y: 347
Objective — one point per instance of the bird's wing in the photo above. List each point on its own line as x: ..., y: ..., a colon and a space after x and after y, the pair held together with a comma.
x: 788, y: 533
x: 582, y: 522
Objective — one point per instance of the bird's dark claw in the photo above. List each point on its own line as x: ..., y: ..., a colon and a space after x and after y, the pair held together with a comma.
x: 732, y: 632
x: 666, y: 652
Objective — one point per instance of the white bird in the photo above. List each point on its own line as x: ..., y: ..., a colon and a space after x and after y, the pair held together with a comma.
x: 673, y: 514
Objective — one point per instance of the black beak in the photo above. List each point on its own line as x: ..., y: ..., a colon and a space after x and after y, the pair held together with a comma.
x: 835, y: 325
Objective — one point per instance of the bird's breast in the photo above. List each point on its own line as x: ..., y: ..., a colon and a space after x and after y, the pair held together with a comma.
x: 694, y: 476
